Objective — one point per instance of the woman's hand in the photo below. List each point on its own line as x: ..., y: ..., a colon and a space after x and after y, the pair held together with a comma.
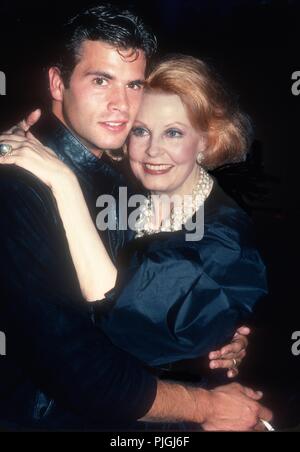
x: 230, y: 356
x: 29, y: 153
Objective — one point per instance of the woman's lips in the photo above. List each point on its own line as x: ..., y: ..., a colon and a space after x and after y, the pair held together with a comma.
x: 114, y: 126
x: 156, y: 169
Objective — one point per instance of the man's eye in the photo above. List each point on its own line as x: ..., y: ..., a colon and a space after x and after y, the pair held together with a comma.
x: 135, y: 85
x: 139, y: 132
x: 174, y: 133
x: 100, y: 81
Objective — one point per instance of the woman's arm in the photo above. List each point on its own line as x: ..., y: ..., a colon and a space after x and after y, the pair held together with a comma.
x: 95, y: 270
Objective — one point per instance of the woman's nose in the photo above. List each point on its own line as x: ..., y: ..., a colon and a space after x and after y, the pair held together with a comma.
x: 154, y: 149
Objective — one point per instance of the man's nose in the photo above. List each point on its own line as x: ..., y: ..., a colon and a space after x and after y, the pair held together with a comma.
x: 119, y: 100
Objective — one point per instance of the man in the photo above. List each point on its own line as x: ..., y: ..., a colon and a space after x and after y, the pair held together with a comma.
x: 60, y: 371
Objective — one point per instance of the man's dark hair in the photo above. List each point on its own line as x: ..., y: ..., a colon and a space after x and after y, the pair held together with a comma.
x: 107, y: 23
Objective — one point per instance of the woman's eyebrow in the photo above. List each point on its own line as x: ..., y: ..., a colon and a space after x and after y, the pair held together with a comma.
x: 176, y: 123
x: 140, y: 123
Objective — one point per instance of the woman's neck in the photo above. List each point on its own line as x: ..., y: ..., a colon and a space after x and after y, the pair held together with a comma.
x: 165, y: 202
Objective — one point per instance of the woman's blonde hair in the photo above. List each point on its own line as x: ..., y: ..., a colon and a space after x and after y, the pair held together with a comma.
x: 211, y: 109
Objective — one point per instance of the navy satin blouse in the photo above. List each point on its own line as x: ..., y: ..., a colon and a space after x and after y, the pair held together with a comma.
x: 176, y: 299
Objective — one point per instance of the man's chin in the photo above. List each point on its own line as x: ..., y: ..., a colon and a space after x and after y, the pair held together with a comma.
x: 111, y: 142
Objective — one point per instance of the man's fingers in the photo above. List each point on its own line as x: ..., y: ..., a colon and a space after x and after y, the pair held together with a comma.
x: 255, y: 395
x: 265, y: 413
x: 259, y: 427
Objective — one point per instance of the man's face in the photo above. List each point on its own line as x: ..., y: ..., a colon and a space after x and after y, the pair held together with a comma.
x: 103, y: 96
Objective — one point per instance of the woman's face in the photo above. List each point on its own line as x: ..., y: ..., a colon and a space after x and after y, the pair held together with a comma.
x: 163, y: 145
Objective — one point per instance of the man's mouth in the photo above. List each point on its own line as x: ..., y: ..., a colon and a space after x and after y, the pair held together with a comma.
x: 157, y: 168
x: 114, y: 126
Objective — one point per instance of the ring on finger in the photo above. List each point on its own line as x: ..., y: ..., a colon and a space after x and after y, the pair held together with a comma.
x: 5, y: 149
x: 234, y: 363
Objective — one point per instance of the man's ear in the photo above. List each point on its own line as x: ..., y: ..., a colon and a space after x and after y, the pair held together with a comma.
x: 56, y: 84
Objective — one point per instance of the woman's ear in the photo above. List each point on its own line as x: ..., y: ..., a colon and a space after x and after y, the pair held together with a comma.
x: 56, y: 84
x: 202, y: 143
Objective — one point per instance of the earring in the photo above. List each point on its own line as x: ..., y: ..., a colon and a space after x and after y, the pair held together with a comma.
x: 200, y: 158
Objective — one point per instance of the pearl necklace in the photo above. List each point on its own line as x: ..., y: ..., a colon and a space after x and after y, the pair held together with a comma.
x: 180, y: 213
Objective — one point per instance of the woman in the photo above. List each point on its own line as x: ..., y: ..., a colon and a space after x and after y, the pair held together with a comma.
x: 172, y: 298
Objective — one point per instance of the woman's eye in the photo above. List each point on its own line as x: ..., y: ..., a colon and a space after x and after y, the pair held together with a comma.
x: 139, y: 132
x: 100, y: 81
x: 174, y: 133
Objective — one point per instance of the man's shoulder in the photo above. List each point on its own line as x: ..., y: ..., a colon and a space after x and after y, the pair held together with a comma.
x: 18, y: 185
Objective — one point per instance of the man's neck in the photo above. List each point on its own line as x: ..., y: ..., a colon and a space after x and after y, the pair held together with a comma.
x: 93, y: 150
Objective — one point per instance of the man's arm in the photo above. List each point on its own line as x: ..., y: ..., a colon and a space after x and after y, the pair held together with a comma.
x: 225, y: 408
x: 74, y: 362
x: 50, y: 333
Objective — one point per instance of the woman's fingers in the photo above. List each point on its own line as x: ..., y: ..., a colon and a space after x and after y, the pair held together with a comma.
x: 11, y: 159
x: 11, y: 137
x: 33, y: 139
x: 216, y: 354
x: 232, y: 373
x: 231, y: 363
x: 238, y: 343
x: 222, y: 364
x: 244, y: 330
x: 236, y: 355
x: 234, y: 347
x: 31, y: 119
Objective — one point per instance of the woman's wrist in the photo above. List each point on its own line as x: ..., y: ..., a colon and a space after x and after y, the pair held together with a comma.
x: 64, y: 180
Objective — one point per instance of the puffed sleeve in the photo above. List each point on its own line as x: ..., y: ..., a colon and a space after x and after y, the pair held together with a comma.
x: 180, y: 300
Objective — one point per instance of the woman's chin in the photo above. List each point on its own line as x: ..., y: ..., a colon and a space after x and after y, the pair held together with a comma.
x: 156, y: 188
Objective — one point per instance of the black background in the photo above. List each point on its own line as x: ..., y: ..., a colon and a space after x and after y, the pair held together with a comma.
x: 254, y: 45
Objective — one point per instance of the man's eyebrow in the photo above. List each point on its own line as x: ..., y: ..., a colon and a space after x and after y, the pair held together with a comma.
x: 100, y: 74
x: 138, y: 81
x: 111, y: 77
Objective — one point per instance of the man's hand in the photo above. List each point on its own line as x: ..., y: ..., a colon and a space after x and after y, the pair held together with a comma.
x: 23, y: 126
x: 225, y: 408
x: 234, y: 408
x: 230, y: 356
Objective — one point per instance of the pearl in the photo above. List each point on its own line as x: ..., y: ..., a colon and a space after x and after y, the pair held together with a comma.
x: 180, y: 214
